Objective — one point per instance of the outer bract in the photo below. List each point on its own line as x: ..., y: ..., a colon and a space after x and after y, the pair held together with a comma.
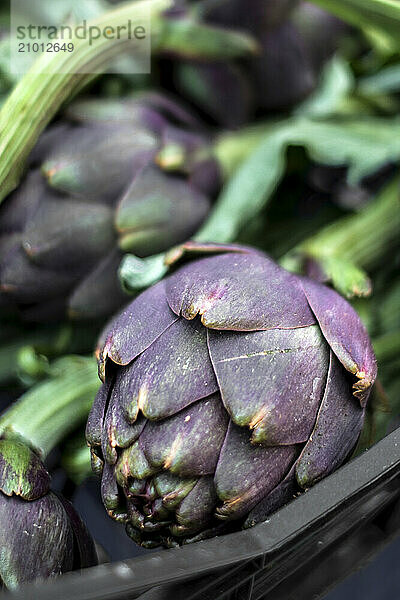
x: 112, y: 177
x: 41, y: 534
x: 228, y: 388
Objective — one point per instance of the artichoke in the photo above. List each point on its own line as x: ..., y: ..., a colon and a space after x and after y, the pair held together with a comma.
x: 41, y: 534
x: 294, y: 39
x: 228, y: 388
x: 114, y: 176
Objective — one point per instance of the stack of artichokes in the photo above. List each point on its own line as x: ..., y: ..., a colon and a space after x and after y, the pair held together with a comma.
x: 113, y: 176
x: 230, y: 385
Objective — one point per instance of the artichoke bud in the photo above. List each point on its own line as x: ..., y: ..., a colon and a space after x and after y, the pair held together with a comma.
x: 157, y: 211
x: 99, y: 162
x: 230, y: 387
x: 93, y: 191
x: 41, y: 535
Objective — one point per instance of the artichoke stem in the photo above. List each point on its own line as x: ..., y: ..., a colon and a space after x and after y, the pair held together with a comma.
x: 364, y: 237
x: 356, y: 242
x: 41, y: 92
x: 50, y: 410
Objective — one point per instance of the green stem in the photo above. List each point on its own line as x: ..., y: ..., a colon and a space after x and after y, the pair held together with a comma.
x: 51, y: 81
x: 45, y: 414
x: 55, y: 78
x: 364, y: 237
x: 232, y: 148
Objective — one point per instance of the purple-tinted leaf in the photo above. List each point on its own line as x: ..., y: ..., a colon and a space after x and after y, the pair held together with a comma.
x: 117, y: 431
x: 206, y: 176
x: 272, y: 381
x: 191, y: 248
x: 284, y: 492
x: 345, y: 334
x: 96, y: 461
x: 26, y: 282
x: 172, y: 489
x: 9, y: 243
x: 21, y: 206
x: 83, y: 539
x: 242, y: 292
x: 282, y: 72
x: 336, y: 431
x: 172, y: 110
x: 246, y: 473
x: 94, y: 426
x: 109, y: 488
x: 99, y: 294
x: 67, y: 234
x: 197, y: 508
x: 188, y: 444
x: 169, y: 375
x: 220, y: 89
x: 157, y: 211
x: 133, y: 464
x: 188, y: 140
x: 96, y: 162
x: 138, y: 326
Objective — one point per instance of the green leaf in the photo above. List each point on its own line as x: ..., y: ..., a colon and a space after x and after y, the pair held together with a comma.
x: 137, y: 273
x: 385, y: 81
x: 346, y: 277
x: 380, y: 16
x: 364, y: 145
x: 346, y: 246
x: 191, y: 39
x: 337, y: 82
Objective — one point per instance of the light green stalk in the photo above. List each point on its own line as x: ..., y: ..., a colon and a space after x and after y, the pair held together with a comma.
x: 357, y: 242
x: 50, y: 410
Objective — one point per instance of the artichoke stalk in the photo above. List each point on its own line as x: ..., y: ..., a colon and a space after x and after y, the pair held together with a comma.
x: 114, y: 176
x: 227, y: 388
x: 41, y: 534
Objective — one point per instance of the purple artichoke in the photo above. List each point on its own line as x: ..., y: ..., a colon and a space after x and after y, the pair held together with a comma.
x: 228, y: 388
x: 114, y: 176
x: 295, y: 40
x: 41, y: 534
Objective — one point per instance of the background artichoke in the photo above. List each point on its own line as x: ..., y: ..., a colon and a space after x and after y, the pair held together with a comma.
x: 228, y: 387
x: 41, y: 534
x: 93, y: 191
x: 294, y: 41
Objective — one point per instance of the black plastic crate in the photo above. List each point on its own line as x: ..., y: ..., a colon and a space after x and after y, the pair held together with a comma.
x: 342, y: 521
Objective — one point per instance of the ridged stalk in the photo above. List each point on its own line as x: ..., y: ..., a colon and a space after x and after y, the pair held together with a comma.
x: 357, y: 242
x: 50, y: 410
